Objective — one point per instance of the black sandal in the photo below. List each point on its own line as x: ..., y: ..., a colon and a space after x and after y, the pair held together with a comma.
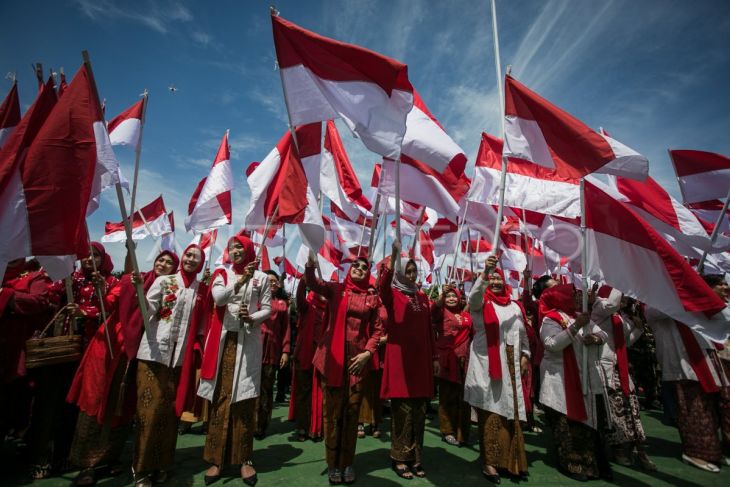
x: 418, y: 471
x: 85, y: 478
x: 402, y: 470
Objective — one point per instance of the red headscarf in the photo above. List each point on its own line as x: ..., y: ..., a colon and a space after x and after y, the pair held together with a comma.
x: 107, y: 266
x: 491, y: 324
x: 454, y: 309
x: 336, y: 358
x: 189, y: 277
x: 552, y: 301
x: 249, y: 253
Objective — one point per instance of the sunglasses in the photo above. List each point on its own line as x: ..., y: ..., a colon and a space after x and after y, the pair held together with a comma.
x: 360, y: 265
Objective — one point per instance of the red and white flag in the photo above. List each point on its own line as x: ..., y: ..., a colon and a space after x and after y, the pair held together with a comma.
x: 427, y: 142
x: 702, y: 176
x: 9, y: 114
x: 350, y: 233
x: 150, y: 220
x: 126, y: 128
x: 327, y: 257
x: 338, y: 179
x: 541, y: 133
x: 279, y: 190
x: 708, y: 212
x: 421, y: 184
x: 629, y: 255
x: 667, y: 215
x: 167, y: 241
x: 443, y: 235
x: 207, y: 240
x: 527, y: 186
x: 34, y: 220
x: 210, y: 206
x: 326, y: 79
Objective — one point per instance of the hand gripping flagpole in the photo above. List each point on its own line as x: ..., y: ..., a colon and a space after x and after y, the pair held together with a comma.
x: 142, y: 299
x: 138, y: 151
x: 500, y: 91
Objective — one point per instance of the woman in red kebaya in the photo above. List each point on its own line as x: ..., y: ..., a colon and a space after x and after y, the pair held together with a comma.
x: 343, y: 357
x: 410, y: 362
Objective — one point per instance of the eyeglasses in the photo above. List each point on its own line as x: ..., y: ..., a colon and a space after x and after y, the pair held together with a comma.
x: 360, y: 265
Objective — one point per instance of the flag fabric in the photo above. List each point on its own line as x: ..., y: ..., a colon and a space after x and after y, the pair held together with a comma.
x: 150, y: 220
x: 629, y: 255
x: 167, y: 240
x: 628, y: 163
x: 206, y: 240
x: 326, y: 79
x: 210, y: 205
x: 667, y: 215
x: 427, y: 142
x: 708, y: 212
x: 64, y: 147
x: 9, y: 113
x: 702, y: 176
x: 421, y: 184
x: 350, y: 233
x: 338, y: 179
x: 279, y: 188
x: 527, y: 185
x: 539, y: 132
x: 126, y: 128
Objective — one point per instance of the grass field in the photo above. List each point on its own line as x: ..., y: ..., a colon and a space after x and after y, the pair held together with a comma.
x: 282, y: 461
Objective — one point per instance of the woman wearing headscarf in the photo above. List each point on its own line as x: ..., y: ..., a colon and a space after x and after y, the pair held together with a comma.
x: 698, y: 380
x: 103, y: 386
x: 275, y: 338
x: 572, y: 420
x: 499, y: 354
x: 165, y: 367
x: 230, y: 377
x: 343, y: 357
x: 410, y: 362
x: 610, y: 376
x: 25, y: 308
x: 453, y: 337
x: 306, y: 400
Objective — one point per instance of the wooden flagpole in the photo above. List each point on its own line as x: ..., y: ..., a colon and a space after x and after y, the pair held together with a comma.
x: 142, y: 299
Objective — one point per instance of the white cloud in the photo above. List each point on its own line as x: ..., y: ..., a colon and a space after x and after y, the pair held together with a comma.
x: 158, y: 16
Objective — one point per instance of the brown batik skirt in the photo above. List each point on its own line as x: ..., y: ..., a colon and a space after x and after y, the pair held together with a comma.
x: 408, y: 423
x: 576, y: 444
x: 265, y: 402
x: 230, y: 426
x: 454, y: 412
x: 371, y: 409
x: 154, y: 444
x: 341, y: 411
x: 626, y: 424
x: 97, y: 444
x: 501, y: 442
x: 699, y: 416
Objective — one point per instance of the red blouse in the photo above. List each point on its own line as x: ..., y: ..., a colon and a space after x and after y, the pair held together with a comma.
x: 454, y: 333
x: 276, y: 332
x: 410, y: 350
x: 310, y: 326
x: 364, y: 326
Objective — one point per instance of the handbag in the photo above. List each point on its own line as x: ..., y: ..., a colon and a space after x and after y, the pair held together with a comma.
x: 42, y: 351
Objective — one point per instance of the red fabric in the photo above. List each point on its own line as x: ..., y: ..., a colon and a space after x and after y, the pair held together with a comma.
x: 491, y: 325
x: 346, y: 176
x: 148, y: 213
x: 209, y: 366
x: 409, y: 352
x: 689, y: 162
x: 107, y: 266
x: 622, y: 357
x: 336, y: 61
x: 310, y: 325
x: 249, y: 253
x: 334, y: 370
x: 135, y: 111
x: 276, y: 333
x: 315, y: 421
x: 10, y: 108
x: 185, y: 392
x: 454, y: 332
x: 552, y: 301
x: 697, y: 359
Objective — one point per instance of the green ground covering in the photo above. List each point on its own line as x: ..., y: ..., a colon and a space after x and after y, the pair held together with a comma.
x: 282, y: 461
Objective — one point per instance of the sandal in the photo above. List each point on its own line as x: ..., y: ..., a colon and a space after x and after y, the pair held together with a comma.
x: 376, y: 432
x: 361, y: 430
x: 402, y: 470
x: 301, y: 435
x: 160, y: 477
x: 39, y: 472
x: 418, y: 471
x: 334, y: 476
x: 348, y: 476
x: 251, y: 479
x: 451, y: 440
x: 707, y: 466
x: 85, y: 478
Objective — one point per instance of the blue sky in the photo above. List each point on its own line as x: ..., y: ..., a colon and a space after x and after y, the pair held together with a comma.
x: 654, y: 73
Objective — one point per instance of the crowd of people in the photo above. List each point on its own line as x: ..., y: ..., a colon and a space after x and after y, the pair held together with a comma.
x: 211, y: 346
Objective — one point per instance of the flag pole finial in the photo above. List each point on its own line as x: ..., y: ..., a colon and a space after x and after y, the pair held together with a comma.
x: 145, y: 93
x: 11, y: 76
x: 274, y: 12
x: 509, y: 70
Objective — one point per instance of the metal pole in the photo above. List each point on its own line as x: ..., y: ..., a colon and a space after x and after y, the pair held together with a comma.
x: 503, y: 173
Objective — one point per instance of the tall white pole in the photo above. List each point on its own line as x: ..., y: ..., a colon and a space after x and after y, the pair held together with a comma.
x: 138, y: 153
x: 584, y: 276
x: 500, y: 91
